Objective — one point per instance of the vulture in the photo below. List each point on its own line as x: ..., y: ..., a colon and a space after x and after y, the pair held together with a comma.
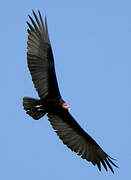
x: 42, y: 69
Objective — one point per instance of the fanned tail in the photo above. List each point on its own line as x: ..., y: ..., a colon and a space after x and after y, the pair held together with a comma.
x: 33, y: 107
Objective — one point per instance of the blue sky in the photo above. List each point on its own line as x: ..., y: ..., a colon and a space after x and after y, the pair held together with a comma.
x: 91, y: 41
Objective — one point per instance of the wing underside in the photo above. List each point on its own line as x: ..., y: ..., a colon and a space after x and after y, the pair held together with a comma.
x: 40, y: 58
x: 78, y: 140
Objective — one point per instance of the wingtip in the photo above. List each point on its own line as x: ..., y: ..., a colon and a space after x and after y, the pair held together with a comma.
x: 99, y: 166
x: 109, y: 159
x: 112, y: 158
x: 46, y: 21
x: 38, y: 11
x: 33, y: 12
x: 29, y: 17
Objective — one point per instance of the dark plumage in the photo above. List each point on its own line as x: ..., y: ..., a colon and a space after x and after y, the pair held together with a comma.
x: 41, y: 65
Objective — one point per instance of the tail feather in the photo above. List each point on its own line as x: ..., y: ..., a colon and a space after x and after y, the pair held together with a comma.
x: 33, y: 107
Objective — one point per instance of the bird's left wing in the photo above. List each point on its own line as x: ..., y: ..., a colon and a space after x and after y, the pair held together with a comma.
x: 72, y: 135
x: 40, y: 58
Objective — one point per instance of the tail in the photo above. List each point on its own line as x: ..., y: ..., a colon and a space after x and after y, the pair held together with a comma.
x: 33, y: 107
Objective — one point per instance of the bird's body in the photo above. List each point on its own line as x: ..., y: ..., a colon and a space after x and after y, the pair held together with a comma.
x: 41, y: 65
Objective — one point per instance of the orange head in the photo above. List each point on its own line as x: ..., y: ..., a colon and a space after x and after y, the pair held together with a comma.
x: 65, y: 106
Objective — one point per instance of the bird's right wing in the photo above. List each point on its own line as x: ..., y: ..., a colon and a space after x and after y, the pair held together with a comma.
x: 72, y: 135
x: 40, y: 58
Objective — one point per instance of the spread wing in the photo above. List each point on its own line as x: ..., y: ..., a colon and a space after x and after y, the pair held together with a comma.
x: 40, y: 58
x: 72, y: 135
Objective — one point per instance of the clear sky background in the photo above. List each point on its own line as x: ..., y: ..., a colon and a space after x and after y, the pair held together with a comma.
x: 91, y: 41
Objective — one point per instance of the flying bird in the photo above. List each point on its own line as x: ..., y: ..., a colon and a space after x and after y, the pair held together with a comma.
x: 41, y: 66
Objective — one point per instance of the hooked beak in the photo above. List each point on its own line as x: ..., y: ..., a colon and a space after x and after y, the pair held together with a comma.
x: 65, y: 106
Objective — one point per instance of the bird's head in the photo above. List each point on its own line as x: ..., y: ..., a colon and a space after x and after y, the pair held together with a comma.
x: 64, y: 105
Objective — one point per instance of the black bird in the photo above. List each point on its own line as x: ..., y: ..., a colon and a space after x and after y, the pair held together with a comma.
x: 41, y: 66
